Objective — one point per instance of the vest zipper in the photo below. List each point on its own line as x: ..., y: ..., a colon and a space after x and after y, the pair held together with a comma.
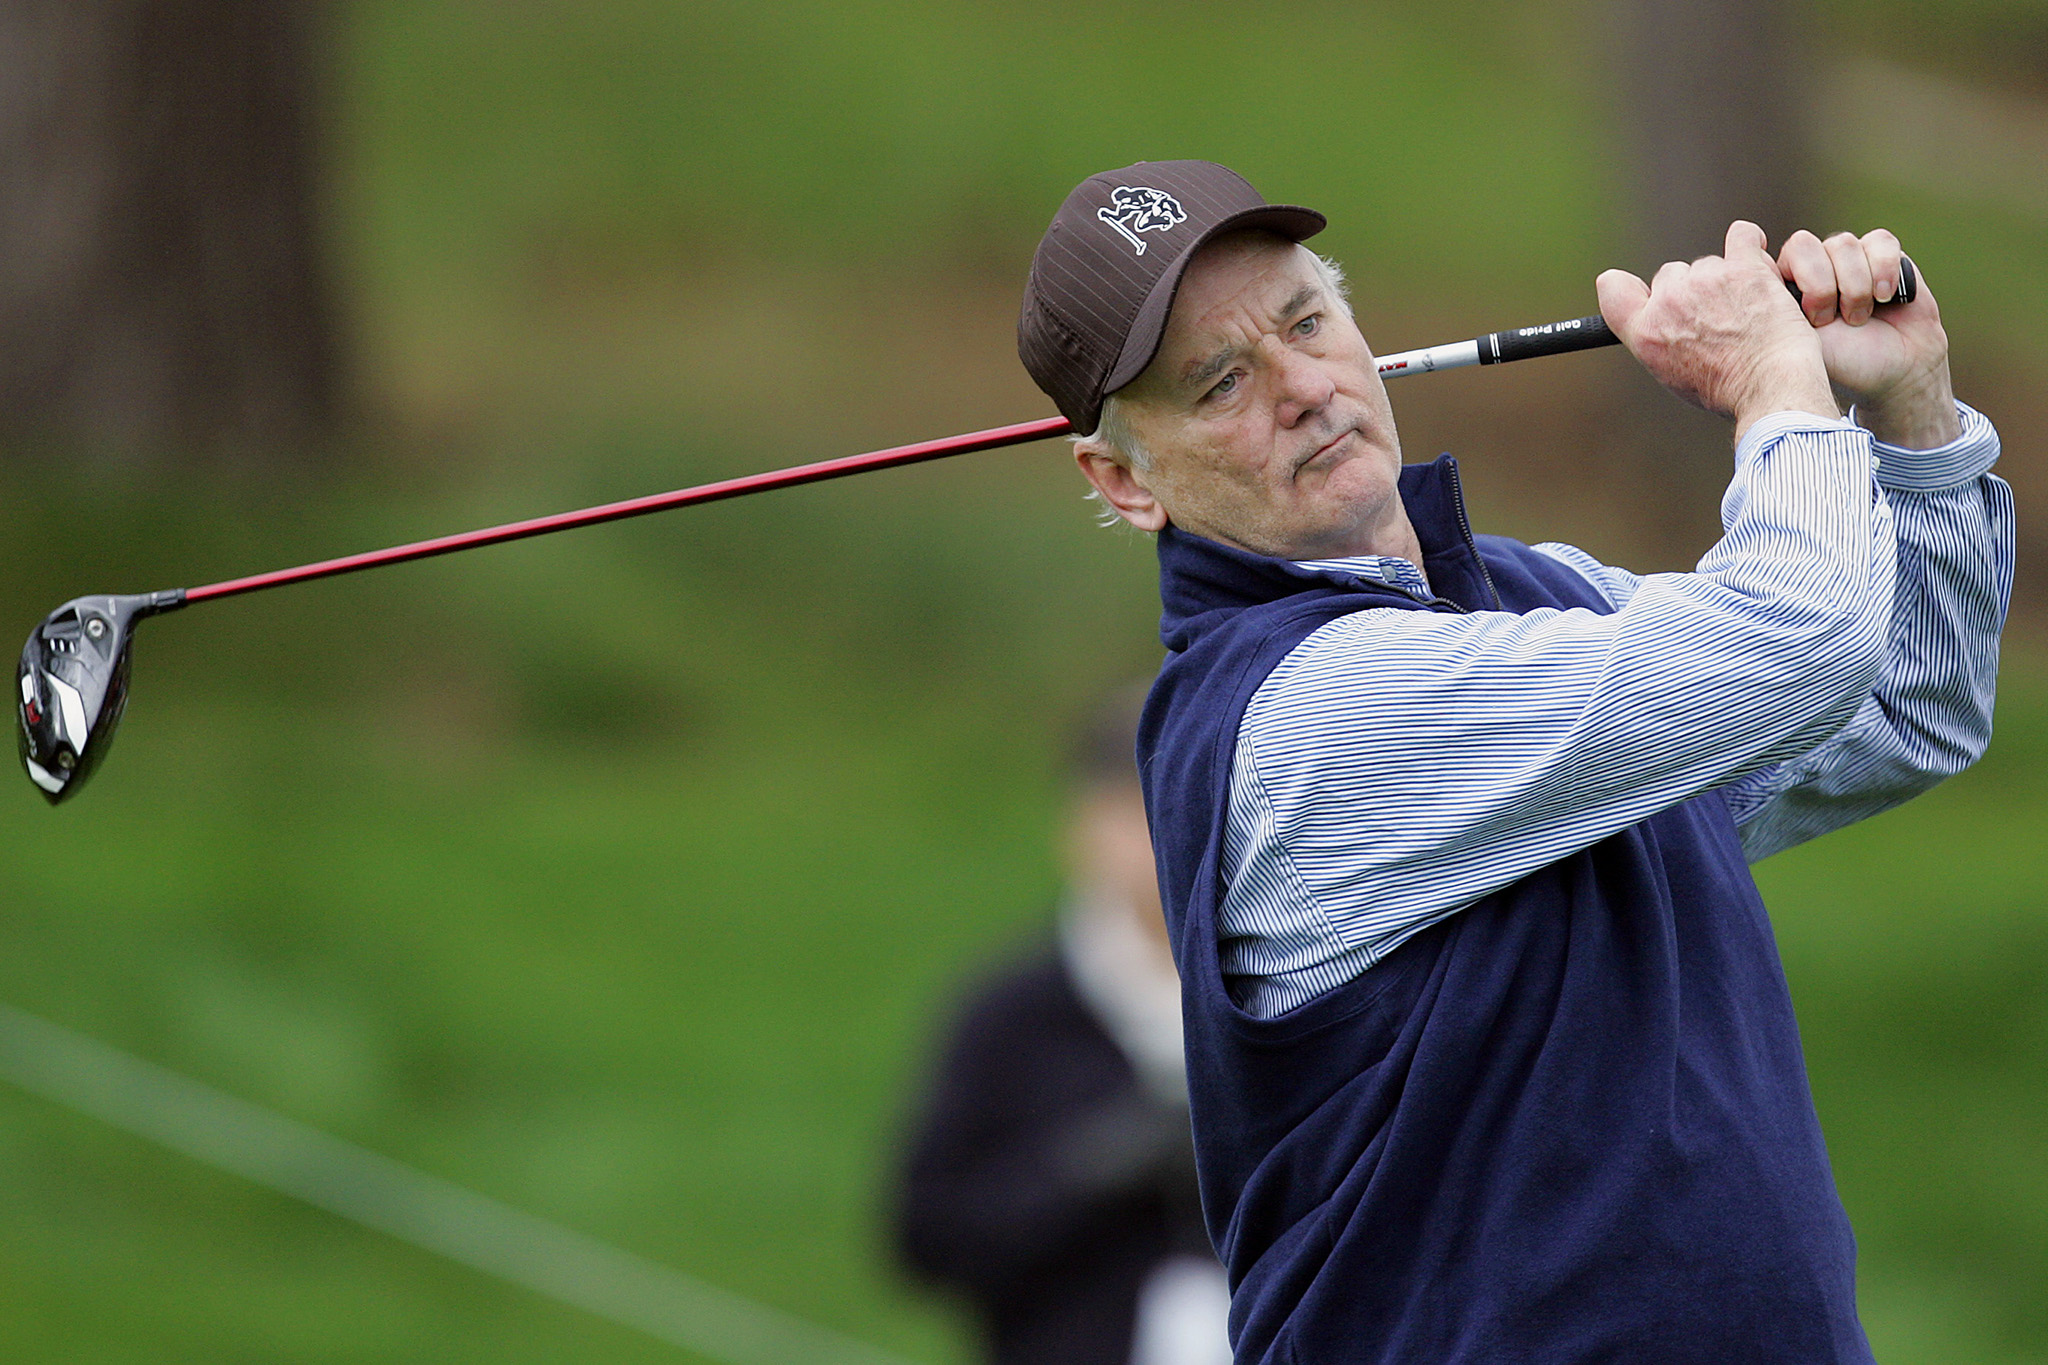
x: 1472, y: 541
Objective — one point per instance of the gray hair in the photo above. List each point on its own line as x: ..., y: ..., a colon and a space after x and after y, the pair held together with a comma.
x: 1113, y: 428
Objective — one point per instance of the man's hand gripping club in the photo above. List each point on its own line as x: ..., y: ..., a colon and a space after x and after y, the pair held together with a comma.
x: 1723, y: 333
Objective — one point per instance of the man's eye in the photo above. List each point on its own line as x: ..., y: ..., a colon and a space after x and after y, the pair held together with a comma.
x: 1309, y: 325
x: 1225, y: 386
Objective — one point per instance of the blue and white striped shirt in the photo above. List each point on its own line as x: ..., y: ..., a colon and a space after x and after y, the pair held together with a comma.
x: 1399, y: 765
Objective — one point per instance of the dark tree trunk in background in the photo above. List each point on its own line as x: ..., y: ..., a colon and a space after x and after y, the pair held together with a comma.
x: 1713, y: 111
x: 161, y: 287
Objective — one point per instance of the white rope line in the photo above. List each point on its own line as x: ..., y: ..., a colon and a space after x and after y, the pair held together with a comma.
x: 342, y: 1178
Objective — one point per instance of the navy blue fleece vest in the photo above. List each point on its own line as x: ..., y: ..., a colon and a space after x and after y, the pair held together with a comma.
x: 1568, y: 1124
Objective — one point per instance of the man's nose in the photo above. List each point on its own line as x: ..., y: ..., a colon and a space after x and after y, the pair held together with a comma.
x: 1304, y: 387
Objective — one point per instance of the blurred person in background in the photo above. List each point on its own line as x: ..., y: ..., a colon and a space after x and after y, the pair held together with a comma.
x: 1050, y: 1176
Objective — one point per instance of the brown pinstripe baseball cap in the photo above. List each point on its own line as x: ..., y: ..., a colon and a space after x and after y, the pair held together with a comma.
x: 1103, y: 279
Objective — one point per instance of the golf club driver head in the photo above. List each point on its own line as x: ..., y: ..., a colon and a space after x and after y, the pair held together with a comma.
x: 73, y: 685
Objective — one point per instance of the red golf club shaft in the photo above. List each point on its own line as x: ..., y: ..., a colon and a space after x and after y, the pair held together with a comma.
x: 1552, y: 339
x: 991, y: 439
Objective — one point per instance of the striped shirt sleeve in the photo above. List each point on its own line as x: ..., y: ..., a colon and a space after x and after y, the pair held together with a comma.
x: 1398, y: 765
x: 1929, y: 716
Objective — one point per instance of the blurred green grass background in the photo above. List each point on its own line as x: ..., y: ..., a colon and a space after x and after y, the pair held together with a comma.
x: 620, y: 875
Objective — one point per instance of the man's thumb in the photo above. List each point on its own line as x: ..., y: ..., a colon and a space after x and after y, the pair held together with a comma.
x: 1745, y: 236
x: 1622, y: 296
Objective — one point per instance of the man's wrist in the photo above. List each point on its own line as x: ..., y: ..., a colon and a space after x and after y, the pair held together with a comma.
x: 1819, y: 409
x: 1921, y: 426
x: 1788, y: 383
x: 1919, y: 416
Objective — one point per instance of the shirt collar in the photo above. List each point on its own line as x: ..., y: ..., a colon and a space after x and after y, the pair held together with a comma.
x: 1391, y: 570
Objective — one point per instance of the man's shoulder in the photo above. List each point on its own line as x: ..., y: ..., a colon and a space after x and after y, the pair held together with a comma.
x: 1546, y: 575
x: 1237, y: 649
x: 1345, y: 650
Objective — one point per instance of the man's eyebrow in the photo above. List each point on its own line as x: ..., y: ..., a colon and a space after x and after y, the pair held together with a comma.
x: 1300, y: 300
x: 1197, y: 373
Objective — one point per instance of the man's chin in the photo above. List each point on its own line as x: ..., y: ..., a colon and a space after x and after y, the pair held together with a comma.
x: 1344, y: 506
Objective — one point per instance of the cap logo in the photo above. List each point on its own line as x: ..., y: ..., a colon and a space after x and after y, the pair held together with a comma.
x: 1137, y: 208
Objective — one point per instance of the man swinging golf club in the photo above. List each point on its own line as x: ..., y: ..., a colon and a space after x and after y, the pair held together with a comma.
x: 1490, y: 1054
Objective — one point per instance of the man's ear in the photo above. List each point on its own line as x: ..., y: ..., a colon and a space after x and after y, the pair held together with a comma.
x: 1121, y: 487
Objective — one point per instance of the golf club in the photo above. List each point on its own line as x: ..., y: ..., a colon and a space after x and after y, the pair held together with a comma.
x: 73, y: 679
x: 1556, y: 338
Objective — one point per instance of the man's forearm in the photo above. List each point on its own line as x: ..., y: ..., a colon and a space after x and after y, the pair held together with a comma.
x: 1930, y: 714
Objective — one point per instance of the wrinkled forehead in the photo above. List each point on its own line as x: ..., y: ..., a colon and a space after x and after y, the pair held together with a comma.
x: 1254, y: 277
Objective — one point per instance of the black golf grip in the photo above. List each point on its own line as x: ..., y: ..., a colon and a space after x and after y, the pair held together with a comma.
x: 1552, y: 338
x: 1583, y: 334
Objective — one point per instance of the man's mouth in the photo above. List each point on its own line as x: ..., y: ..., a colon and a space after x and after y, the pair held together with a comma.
x: 1326, y: 448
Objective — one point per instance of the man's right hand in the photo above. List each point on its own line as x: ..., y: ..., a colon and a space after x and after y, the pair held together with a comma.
x: 1723, y: 333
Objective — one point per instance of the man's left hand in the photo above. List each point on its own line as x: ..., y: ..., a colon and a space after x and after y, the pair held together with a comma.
x: 1889, y: 359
